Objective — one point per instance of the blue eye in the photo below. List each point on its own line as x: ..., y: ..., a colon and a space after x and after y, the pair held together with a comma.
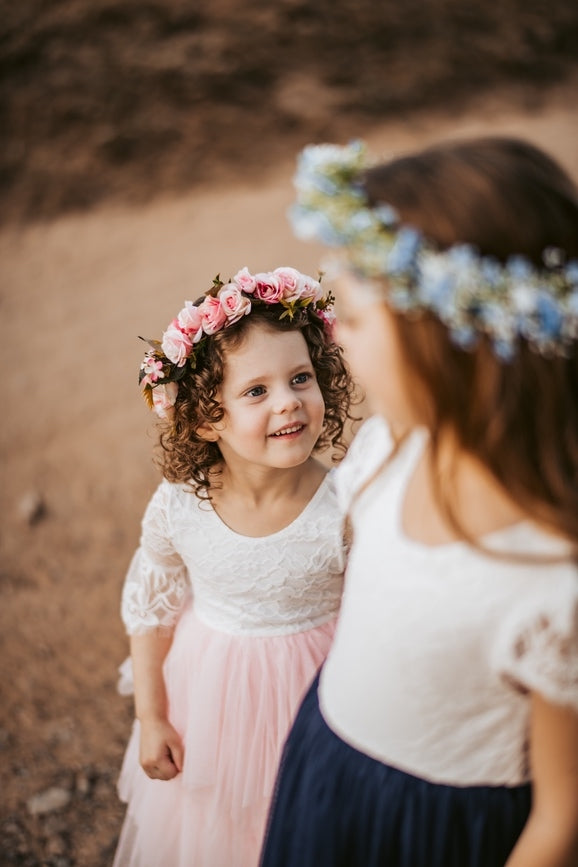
x: 301, y: 378
x: 256, y: 391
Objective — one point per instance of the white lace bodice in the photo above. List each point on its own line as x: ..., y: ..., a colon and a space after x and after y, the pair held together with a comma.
x: 282, y: 583
x: 437, y: 648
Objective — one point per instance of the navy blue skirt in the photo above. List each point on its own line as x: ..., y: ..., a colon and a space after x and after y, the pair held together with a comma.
x: 337, y: 807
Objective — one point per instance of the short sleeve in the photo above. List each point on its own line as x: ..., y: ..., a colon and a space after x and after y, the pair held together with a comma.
x: 369, y: 448
x: 538, y: 648
x: 157, y: 582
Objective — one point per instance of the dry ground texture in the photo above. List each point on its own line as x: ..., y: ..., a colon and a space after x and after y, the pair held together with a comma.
x: 147, y: 147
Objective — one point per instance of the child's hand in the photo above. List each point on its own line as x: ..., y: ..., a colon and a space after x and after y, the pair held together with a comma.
x: 161, y: 749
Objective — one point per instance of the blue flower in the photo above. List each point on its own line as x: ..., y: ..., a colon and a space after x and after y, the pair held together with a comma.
x: 402, y: 256
x: 436, y: 286
x: 401, y: 299
x: 323, y: 184
x: 387, y: 216
x: 553, y: 257
x: 464, y: 336
x: 360, y: 221
x: 571, y: 272
x: 462, y: 256
x: 504, y: 349
x: 311, y: 225
x: 491, y: 315
x: 550, y: 317
x: 519, y: 268
x: 491, y: 271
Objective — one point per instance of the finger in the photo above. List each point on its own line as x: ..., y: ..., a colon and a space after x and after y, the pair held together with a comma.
x: 177, y: 755
x: 151, y: 771
x: 166, y: 770
x: 163, y: 771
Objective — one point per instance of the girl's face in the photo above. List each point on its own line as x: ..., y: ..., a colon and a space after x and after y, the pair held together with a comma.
x: 366, y: 330
x: 274, y: 408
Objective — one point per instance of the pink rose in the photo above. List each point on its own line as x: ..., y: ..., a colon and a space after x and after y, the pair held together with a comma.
x: 268, y: 288
x: 164, y: 397
x: 189, y: 320
x: 234, y: 303
x: 213, y: 316
x: 291, y: 283
x: 311, y: 288
x: 176, y: 344
x: 329, y: 320
x: 245, y: 281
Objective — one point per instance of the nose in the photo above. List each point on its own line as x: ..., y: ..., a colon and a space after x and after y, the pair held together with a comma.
x: 286, y: 400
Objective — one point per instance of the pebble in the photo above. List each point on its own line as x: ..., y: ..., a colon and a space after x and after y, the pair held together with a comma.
x: 32, y: 508
x: 55, y: 845
x: 83, y: 783
x: 51, y: 799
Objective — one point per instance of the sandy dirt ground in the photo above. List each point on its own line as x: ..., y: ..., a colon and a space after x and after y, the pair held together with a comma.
x: 77, y: 466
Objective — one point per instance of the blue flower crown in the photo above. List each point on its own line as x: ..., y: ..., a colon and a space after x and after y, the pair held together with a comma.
x: 471, y: 294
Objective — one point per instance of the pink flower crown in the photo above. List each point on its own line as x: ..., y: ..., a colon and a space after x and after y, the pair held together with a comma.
x: 168, y: 360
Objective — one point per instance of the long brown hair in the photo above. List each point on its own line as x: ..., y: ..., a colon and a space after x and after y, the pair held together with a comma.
x: 519, y: 419
x: 187, y: 457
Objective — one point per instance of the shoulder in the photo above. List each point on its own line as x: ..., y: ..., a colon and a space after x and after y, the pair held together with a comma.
x: 370, y: 447
x: 171, y: 499
x: 537, y: 642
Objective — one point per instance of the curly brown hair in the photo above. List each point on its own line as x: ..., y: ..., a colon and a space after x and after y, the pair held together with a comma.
x: 186, y: 457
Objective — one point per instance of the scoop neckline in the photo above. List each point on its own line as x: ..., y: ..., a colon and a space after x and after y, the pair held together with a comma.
x: 302, y: 514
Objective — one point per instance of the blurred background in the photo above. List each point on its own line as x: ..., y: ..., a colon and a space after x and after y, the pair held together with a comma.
x: 144, y: 147
x: 124, y: 98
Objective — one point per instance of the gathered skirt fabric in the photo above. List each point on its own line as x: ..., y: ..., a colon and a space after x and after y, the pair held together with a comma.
x: 232, y: 698
x: 334, y: 806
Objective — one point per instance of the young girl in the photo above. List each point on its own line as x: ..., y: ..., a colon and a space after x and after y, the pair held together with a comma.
x: 231, y: 598
x: 445, y: 729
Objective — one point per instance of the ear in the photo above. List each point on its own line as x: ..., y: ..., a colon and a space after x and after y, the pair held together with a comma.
x: 208, y: 432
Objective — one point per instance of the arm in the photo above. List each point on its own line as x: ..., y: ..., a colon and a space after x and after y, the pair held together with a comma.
x: 550, y: 838
x: 161, y: 751
x: 155, y: 590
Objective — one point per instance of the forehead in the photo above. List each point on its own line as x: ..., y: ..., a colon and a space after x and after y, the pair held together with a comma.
x: 265, y: 351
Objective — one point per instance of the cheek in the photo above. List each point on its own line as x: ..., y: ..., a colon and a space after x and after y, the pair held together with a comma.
x: 317, y: 401
x: 315, y: 406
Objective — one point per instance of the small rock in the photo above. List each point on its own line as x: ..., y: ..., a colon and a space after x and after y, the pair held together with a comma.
x: 51, y: 799
x: 55, y: 845
x: 32, y: 508
x: 83, y: 783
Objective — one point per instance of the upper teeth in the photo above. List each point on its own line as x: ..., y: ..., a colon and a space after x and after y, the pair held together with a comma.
x: 287, y: 430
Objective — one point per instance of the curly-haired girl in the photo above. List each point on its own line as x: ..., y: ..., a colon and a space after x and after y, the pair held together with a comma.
x: 231, y: 598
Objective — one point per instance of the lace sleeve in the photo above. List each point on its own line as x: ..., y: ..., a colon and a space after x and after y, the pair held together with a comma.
x: 369, y: 448
x: 157, y: 582
x: 539, y: 652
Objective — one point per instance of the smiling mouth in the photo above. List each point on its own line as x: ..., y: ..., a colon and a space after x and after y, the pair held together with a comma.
x: 293, y: 429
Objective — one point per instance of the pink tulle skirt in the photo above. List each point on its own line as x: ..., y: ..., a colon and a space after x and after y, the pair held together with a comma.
x: 232, y: 698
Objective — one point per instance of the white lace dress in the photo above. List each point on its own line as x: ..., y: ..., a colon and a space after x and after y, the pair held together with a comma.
x: 253, y: 620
